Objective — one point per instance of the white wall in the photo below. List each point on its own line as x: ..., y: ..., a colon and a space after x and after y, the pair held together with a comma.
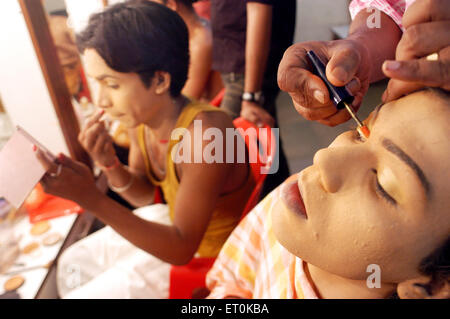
x: 80, y: 10
x: 54, y: 5
x: 22, y: 86
x: 316, y: 17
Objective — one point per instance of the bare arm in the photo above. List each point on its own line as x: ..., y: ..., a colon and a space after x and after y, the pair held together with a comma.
x: 257, y: 47
x: 200, y: 186
x: 200, y: 65
x: 142, y: 191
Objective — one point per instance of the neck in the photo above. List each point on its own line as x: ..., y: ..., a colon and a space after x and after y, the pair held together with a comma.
x: 163, y: 124
x: 331, y: 286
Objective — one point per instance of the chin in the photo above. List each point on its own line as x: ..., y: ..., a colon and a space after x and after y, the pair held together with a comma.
x: 291, y: 235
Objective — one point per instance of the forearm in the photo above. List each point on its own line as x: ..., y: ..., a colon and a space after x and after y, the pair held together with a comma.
x: 259, y: 28
x: 380, y: 43
x: 140, y: 193
x: 162, y: 241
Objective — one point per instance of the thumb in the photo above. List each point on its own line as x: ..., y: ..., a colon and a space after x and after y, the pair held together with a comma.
x: 70, y: 163
x: 343, y: 65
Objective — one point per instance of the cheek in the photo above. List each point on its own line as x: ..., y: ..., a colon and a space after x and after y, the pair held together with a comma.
x: 348, y: 237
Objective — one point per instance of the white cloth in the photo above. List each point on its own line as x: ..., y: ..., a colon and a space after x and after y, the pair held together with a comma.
x: 106, y: 265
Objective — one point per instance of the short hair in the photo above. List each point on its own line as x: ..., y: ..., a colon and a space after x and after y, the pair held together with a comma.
x: 437, y: 267
x: 140, y: 37
x: 187, y: 3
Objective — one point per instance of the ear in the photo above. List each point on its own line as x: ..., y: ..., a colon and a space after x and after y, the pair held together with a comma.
x: 422, y: 288
x: 162, y: 82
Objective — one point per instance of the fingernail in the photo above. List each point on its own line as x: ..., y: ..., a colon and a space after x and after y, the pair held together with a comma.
x: 353, y: 85
x: 319, y: 96
x: 101, y: 111
x: 34, y: 148
x: 61, y: 157
x: 392, y: 65
x: 340, y: 74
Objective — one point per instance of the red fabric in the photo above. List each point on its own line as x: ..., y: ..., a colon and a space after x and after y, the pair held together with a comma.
x: 84, y: 92
x: 264, y: 158
x: 218, y: 99
x: 185, y: 279
x: 42, y: 206
x: 158, y: 196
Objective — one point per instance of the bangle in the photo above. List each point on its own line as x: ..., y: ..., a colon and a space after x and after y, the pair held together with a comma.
x: 108, y: 168
x: 122, y: 188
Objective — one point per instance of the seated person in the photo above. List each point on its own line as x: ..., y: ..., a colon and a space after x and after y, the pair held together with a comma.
x: 141, y: 86
x: 381, y: 202
x: 202, y: 83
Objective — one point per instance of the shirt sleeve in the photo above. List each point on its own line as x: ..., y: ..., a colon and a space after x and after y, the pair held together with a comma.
x: 393, y: 8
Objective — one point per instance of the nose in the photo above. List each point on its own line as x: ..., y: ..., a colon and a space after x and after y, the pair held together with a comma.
x: 341, y: 165
x: 102, y: 100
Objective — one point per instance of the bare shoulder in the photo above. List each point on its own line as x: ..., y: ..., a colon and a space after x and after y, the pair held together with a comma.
x: 220, y: 120
x: 202, y: 37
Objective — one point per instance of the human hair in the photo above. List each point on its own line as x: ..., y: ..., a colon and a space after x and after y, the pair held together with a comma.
x: 186, y: 3
x: 140, y: 37
x: 437, y: 267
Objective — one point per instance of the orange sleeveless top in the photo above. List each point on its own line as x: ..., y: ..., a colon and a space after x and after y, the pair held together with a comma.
x: 223, y: 219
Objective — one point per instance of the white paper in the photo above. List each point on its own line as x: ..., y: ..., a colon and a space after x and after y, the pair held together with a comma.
x: 20, y: 170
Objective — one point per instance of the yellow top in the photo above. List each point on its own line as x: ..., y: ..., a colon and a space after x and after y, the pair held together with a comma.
x: 224, y: 219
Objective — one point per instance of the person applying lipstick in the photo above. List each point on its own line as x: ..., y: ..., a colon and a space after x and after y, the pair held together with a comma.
x: 376, y: 203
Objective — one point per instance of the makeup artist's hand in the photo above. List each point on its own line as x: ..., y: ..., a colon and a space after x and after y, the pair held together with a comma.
x: 97, y: 142
x: 254, y: 113
x: 427, y: 31
x: 67, y: 178
x: 348, y: 64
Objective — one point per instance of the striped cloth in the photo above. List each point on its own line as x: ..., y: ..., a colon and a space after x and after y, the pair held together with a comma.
x: 253, y: 264
x: 393, y: 8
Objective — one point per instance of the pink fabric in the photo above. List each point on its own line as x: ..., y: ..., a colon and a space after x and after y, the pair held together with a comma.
x: 393, y: 8
x: 253, y: 264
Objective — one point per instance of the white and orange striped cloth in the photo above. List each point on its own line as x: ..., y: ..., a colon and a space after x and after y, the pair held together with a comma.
x: 393, y: 8
x: 253, y: 264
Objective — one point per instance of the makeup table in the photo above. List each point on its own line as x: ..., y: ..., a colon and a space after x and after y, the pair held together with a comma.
x: 40, y: 281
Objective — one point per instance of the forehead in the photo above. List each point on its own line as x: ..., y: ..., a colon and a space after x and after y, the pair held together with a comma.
x: 420, y: 125
x: 422, y: 115
x: 96, y: 65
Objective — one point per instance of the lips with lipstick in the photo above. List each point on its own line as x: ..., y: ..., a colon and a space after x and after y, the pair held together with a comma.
x: 290, y: 195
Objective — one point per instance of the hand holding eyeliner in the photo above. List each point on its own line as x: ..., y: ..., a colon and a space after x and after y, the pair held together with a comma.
x: 340, y: 96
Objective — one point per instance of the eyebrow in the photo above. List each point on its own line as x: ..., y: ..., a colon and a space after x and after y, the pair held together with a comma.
x: 104, y: 76
x: 397, y: 151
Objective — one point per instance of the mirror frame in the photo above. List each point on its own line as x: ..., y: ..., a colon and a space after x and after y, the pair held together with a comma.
x: 36, y: 21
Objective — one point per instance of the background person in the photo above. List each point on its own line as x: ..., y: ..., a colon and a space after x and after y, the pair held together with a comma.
x: 249, y: 39
x: 141, y: 87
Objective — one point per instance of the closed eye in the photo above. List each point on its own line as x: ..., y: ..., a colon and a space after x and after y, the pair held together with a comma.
x: 381, y: 191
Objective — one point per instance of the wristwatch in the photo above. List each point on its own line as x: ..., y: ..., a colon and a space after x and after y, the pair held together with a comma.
x: 256, y: 97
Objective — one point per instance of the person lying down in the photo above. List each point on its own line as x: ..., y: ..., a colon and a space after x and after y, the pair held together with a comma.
x: 369, y: 219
